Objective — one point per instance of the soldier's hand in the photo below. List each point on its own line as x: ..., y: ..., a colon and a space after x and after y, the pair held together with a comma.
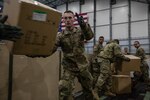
x: 8, y: 32
x: 127, y: 59
x: 80, y: 20
x: 3, y: 19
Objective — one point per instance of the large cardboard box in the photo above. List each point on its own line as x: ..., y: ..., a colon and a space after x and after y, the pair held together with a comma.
x: 39, y: 24
x: 121, y: 84
x: 125, y: 67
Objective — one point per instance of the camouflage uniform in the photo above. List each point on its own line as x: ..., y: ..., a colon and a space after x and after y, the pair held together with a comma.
x: 110, y: 52
x: 144, y: 66
x: 94, y: 64
x: 74, y: 62
x: 97, y: 49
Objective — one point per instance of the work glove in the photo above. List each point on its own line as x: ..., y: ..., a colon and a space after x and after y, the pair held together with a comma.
x: 127, y: 59
x: 81, y: 22
x: 8, y: 32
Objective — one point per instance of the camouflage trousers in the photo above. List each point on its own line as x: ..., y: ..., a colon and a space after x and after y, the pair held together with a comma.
x: 145, y: 70
x: 67, y: 85
x: 104, y: 81
x: 95, y: 72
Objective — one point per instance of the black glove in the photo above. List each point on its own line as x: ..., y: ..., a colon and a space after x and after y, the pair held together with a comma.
x: 80, y: 21
x: 8, y: 32
x: 3, y: 19
x: 127, y: 59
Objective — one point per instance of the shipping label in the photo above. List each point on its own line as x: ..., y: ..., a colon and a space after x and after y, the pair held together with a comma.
x: 39, y: 15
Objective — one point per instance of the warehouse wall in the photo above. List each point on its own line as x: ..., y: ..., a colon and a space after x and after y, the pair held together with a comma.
x: 33, y: 78
x: 113, y: 21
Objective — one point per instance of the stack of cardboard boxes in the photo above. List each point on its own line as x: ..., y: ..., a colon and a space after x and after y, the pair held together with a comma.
x: 33, y: 77
x: 122, y: 81
x: 121, y: 84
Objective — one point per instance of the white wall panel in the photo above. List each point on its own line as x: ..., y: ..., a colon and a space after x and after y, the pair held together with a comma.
x: 142, y: 41
x: 120, y: 15
x: 62, y: 8
x: 88, y: 6
x: 102, y: 17
x: 102, y: 31
x: 74, y: 6
x: 89, y: 44
x: 139, y: 29
x: 102, y: 4
x: 138, y: 11
x: 120, y: 3
x: 90, y: 18
x: 120, y: 31
x: 125, y: 42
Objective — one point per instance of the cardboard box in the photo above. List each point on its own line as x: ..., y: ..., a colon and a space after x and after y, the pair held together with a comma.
x: 127, y: 67
x: 121, y: 84
x: 39, y: 24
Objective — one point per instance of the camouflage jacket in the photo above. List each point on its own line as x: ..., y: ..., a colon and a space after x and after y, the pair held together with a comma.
x: 140, y: 53
x: 97, y: 49
x: 111, y: 51
x: 72, y: 42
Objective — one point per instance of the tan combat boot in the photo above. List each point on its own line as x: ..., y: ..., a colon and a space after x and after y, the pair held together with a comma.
x: 95, y: 94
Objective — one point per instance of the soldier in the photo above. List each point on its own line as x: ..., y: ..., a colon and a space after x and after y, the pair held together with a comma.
x: 75, y: 64
x: 144, y: 66
x: 111, y: 51
x: 94, y: 64
x: 99, y: 47
x: 8, y: 32
x: 126, y: 52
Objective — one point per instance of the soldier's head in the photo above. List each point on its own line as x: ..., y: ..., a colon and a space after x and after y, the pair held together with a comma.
x: 101, y: 40
x: 116, y: 40
x: 136, y: 44
x: 126, y: 51
x: 68, y: 19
